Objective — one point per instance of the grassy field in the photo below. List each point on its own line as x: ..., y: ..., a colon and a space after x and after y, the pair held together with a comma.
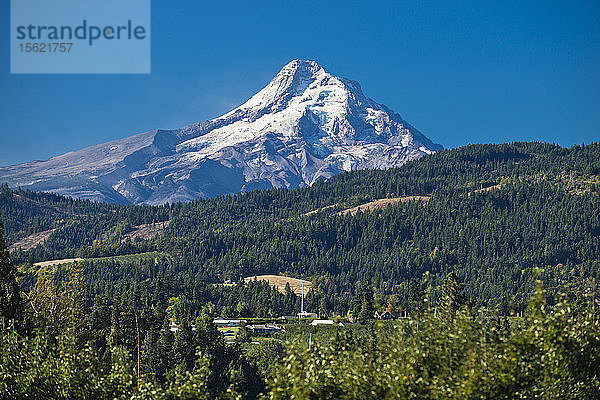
x: 383, y: 203
x: 378, y: 204
x: 57, y: 262
x: 279, y: 282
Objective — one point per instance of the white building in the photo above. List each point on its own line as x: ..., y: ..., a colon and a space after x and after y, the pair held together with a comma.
x: 227, y: 323
x: 306, y: 314
x: 322, y: 322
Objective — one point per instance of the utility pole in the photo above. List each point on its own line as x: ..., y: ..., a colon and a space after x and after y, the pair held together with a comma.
x: 137, y: 328
x: 302, y: 304
x: 593, y: 300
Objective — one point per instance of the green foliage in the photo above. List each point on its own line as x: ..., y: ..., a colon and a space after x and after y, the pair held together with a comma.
x: 11, y: 304
x: 492, y: 240
x: 453, y: 297
x: 551, y: 354
x: 243, y: 336
x: 266, y: 355
x: 39, y: 367
x: 102, y: 329
x: 364, y: 307
x: 53, y: 307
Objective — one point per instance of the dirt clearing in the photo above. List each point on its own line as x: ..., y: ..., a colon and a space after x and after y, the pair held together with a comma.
x: 279, y: 282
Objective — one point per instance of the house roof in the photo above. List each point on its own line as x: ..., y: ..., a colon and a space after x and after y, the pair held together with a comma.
x: 322, y: 322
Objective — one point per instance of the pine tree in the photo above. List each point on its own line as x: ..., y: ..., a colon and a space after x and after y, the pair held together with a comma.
x: 11, y: 303
x: 364, y: 307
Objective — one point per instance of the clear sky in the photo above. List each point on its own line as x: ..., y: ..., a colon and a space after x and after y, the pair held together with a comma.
x: 459, y: 71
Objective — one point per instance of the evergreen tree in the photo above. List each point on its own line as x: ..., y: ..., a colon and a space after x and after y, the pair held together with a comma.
x: 11, y: 303
x: 364, y: 307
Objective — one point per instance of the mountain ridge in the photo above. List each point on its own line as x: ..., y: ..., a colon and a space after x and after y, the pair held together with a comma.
x: 305, y: 125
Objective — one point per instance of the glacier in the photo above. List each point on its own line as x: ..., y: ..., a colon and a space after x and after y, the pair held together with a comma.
x: 305, y: 125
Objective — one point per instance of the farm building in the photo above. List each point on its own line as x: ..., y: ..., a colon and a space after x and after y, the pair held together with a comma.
x: 288, y: 317
x: 322, y: 322
x: 262, y: 329
x: 306, y: 314
x: 174, y: 326
x: 227, y: 323
x: 386, y: 315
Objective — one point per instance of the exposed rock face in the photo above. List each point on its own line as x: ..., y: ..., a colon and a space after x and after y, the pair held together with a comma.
x: 305, y: 125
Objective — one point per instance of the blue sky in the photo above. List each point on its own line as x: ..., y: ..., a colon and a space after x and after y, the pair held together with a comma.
x: 461, y: 72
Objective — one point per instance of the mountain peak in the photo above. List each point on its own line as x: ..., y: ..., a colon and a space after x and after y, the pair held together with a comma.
x: 300, y: 65
x: 290, y: 81
x: 304, y: 125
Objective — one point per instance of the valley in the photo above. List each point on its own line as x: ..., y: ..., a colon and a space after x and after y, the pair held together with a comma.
x: 303, y: 200
x: 504, y: 230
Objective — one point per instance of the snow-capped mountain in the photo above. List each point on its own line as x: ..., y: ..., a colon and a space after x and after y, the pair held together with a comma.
x: 305, y: 125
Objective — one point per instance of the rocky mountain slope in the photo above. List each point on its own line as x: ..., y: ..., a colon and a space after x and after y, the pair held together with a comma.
x: 305, y: 125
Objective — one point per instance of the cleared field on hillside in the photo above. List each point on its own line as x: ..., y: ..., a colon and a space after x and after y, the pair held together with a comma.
x: 319, y: 210
x: 148, y: 256
x: 279, y: 282
x: 380, y: 204
x: 31, y: 241
x: 486, y: 189
x: 57, y: 262
x: 146, y: 231
x: 373, y: 205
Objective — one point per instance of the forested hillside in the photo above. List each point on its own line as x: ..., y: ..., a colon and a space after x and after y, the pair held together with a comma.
x: 495, y: 224
x: 541, y: 210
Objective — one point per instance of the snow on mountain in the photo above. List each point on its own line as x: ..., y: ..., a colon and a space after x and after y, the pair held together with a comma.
x: 305, y: 125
